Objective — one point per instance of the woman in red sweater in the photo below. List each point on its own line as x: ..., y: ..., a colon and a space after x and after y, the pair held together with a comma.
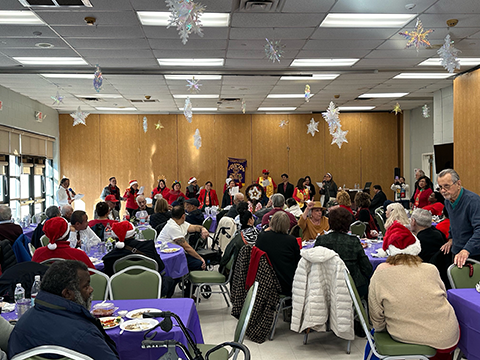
x: 161, y: 189
x: 131, y: 196
x: 208, y: 196
x: 423, y: 192
x: 175, y: 193
x: 435, y: 201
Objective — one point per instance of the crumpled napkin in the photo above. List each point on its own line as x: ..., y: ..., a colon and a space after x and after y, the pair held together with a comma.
x: 7, y: 307
x: 380, y: 254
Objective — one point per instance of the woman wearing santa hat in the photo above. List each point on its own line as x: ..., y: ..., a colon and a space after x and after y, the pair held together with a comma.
x: 407, y: 297
x: 131, y: 197
x: 192, y: 189
x: 175, y: 193
x: 57, y: 230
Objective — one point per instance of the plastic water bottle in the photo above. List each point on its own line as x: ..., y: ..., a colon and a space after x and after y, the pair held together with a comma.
x: 380, y: 236
x: 35, y: 289
x: 108, y: 231
x: 19, y: 292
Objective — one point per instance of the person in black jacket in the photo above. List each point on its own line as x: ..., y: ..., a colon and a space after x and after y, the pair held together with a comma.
x: 194, y: 214
x: 430, y: 238
x: 51, y: 212
x: 329, y: 188
x: 285, y: 188
x: 378, y: 199
x: 162, y: 214
x: 127, y: 245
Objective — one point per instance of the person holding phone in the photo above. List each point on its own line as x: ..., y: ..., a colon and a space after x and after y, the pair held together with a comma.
x: 401, y: 190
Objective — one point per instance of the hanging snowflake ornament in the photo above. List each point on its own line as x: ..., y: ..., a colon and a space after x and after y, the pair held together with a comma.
x: 193, y: 85
x: 312, y: 127
x: 185, y: 16
x: 307, y: 93
x: 145, y: 124
x: 187, y: 110
x: 97, y: 79
x: 274, y: 50
x: 397, y: 109
x: 79, y: 117
x: 331, y: 116
x: 448, y: 54
x: 197, y: 139
x: 159, y: 126
x: 57, y: 99
x: 418, y: 37
x: 244, y: 106
x: 425, y: 111
x: 283, y: 123
x: 339, y: 137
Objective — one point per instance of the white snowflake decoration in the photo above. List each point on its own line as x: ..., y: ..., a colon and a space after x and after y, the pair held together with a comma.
x: 312, y: 127
x: 283, y: 124
x: 244, y: 106
x: 331, y: 117
x: 425, y: 111
x: 339, y: 137
x: 145, y: 124
x: 79, y: 117
x: 193, y: 85
x: 185, y: 16
x: 448, y: 53
x: 197, y: 139
x: 57, y: 99
x: 187, y: 110
x: 274, y: 50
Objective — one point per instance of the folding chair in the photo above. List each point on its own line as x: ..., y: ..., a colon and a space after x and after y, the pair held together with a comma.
x: 50, y: 261
x: 358, y: 228
x: 380, y: 223
x: 127, y: 285
x: 44, y: 240
x: 36, y: 352
x: 281, y: 307
x: 134, y: 260
x: 99, y: 283
x: 149, y: 234
x: 460, y: 278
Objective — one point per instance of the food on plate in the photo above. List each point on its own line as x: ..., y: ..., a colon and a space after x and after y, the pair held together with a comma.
x: 110, y: 322
x: 170, y: 250
x: 364, y: 245
x: 103, y: 309
x: 139, y: 315
x: 138, y: 326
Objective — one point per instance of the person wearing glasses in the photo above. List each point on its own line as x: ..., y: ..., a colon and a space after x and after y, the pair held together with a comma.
x: 463, y: 207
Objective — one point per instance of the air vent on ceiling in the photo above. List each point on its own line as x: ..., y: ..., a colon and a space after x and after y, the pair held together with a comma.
x: 143, y: 100
x: 93, y: 99
x: 260, y: 5
x: 222, y: 100
x: 55, y: 3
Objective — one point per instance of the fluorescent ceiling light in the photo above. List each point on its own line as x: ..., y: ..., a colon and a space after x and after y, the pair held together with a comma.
x: 311, y: 77
x: 69, y: 76
x: 286, y: 96
x: 355, y: 108
x: 190, y: 62
x: 189, y: 77
x: 367, y: 20
x: 51, y: 61
x: 442, y: 75
x: 22, y: 17
x: 201, y: 109
x: 101, y: 108
x: 323, y: 62
x: 438, y: 62
x: 159, y: 18
x: 383, y: 95
x: 102, y: 96
x: 276, y: 108
x: 197, y: 96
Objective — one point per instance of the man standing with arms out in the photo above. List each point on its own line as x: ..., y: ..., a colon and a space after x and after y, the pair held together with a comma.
x: 463, y: 207
x: 285, y: 188
x: 112, y: 189
x: 267, y: 182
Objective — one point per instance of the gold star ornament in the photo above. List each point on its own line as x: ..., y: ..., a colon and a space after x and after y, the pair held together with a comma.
x: 159, y: 126
x: 397, y: 109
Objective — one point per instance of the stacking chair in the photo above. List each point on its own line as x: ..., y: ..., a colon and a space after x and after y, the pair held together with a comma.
x: 240, y: 329
x: 31, y: 248
x: 381, y: 344
x: 358, y: 228
x: 128, y: 284
x: 36, y: 352
x: 296, y: 231
x: 380, y: 223
x: 281, y: 307
x: 149, y: 234
x: 379, y: 211
x: 207, y: 223
x: 44, y: 240
x: 50, y: 261
x: 134, y: 260
x: 460, y: 278
x: 99, y: 283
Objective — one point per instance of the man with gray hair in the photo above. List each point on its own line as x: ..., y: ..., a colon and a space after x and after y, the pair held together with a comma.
x: 278, y: 202
x: 51, y: 212
x: 142, y: 205
x: 67, y: 211
x: 430, y: 238
x: 237, y: 199
x: 8, y: 229
x: 463, y: 207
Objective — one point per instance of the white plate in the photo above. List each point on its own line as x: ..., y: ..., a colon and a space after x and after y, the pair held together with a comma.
x: 107, y: 318
x: 130, y: 314
x: 169, y: 250
x: 138, y: 325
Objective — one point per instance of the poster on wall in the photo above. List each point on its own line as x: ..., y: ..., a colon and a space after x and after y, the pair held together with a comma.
x: 236, y: 169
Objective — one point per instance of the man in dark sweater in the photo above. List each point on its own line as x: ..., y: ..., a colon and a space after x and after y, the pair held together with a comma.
x: 378, y: 199
x: 8, y: 229
x: 51, y: 212
x: 463, y: 209
x: 194, y: 214
x: 430, y: 238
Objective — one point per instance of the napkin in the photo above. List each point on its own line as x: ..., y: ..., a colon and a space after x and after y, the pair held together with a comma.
x: 380, y: 254
x: 7, y: 307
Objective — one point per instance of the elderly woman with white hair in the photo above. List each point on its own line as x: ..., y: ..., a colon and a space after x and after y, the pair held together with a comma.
x: 407, y: 298
x: 396, y: 212
x: 8, y: 229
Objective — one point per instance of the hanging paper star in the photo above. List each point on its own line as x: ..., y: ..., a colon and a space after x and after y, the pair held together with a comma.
x: 193, y: 85
x: 57, y: 99
x: 417, y: 37
x: 331, y: 117
x: 283, y: 123
x: 187, y: 110
x: 145, y: 124
x: 274, y: 50
x: 197, y: 139
x: 397, y: 109
x: 448, y: 53
x: 159, y: 126
x: 98, y: 79
x: 307, y: 93
x: 244, y: 106
x: 312, y: 127
x: 425, y: 111
x: 185, y: 15
x: 79, y: 117
x: 339, y: 137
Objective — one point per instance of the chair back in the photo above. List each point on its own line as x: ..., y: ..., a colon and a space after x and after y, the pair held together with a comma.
x: 225, y: 232
x: 134, y: 260
x: 149, y: 234
x: 380, y: 223
x: 44, y: 240
x: 460, y: 278
x: 36, y: 352
x: 99, y: 283
x: 296, y: 231
x: 50, y: 261
x: 244, y: 318
x: 160, y: 227
x: 379, y: 211
x: 207, y: 223
x: 127, y: 285
x: 358, y: 228
x: 31, y: 248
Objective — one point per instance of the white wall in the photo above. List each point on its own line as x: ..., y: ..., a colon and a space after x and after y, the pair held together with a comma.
x: 443, y: 116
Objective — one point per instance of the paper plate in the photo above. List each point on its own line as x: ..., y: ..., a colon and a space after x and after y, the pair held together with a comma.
x: 169, y: 250
x: 138, y: 325
x: 137, y: 313
x: 109, y: 322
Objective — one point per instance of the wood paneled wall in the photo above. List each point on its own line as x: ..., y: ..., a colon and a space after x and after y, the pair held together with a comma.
x: 115, y: 145
x: 466, y: 129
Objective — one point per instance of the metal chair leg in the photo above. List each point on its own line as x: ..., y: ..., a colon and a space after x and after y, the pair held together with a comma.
x: 225, y: 290
x: 197, y: 300
x: 277, y: 314
x: 305, y: 337
x: 349, y: 346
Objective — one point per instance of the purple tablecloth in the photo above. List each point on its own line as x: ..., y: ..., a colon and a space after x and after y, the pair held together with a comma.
x: 175, y: 263
x: 466, y: 303
x: 28, y: 231
x: 213, y: 226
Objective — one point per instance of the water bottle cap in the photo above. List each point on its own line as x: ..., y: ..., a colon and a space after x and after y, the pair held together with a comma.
x: 37, y: 277
x: 19, y: 284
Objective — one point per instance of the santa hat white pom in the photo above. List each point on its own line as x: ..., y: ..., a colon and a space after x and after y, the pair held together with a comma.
x: 399, y: 240
x: 191, y: 180
x: 123, y: 230
x: 56, y: 228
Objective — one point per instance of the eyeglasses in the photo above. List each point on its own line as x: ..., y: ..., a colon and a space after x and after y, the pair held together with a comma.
x: 446, y: 187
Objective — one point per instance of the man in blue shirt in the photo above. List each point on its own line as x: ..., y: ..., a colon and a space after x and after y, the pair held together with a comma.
x: 463, y: 209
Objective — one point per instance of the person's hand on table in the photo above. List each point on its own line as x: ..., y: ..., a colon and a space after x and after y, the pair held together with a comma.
x: 446, y: 247
x: 460, y: 258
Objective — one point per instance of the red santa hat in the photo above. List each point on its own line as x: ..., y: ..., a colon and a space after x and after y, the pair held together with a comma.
x: 132, y: 182
x: 56, y: 228
x: 123, y: 230
x: 399, y: 240
x: 191, y: 180
x: 228, y: 180
x: 265, y: 171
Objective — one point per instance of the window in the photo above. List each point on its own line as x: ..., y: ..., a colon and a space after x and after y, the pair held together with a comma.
x: 49, y: 183
x: 14, y: 186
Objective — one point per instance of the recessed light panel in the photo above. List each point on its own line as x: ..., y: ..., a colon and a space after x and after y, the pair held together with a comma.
x: 101, y: 108
x: 190, y: 62
x: 50, y: 61
x: 189, y: 77
x: 323, y: 62
x: 383, y: 95
x: 101, y: 96
x: 312, y: 77
x: 69, y: 76
x: 355, y: 108
x: 197, y: 96
x: 276, y: 109
x: 438, y: 62
x: 22, y: 17
x: 160, y: 18
x: 367, y: 20
x: 442, y: 75
x: 201, y: 109
x: 286, y: 96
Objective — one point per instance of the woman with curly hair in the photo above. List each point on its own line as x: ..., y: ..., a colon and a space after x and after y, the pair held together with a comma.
x: 344, y: 201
